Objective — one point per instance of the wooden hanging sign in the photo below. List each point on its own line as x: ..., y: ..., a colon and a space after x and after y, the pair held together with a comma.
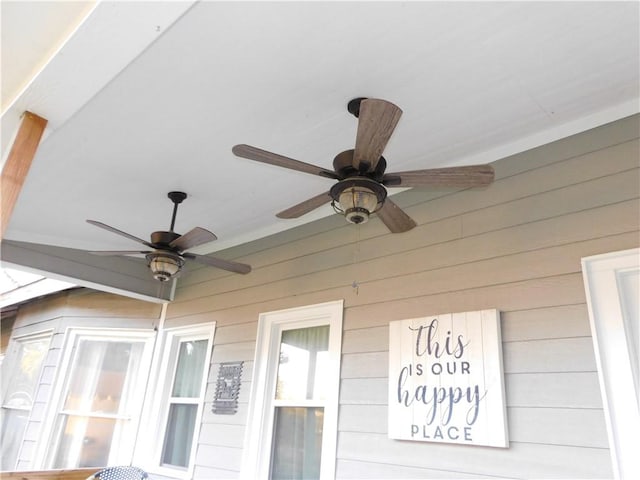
x: 446, y: 379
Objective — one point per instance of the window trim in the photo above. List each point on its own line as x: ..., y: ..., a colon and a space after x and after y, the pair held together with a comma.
x: 47, y: 444
x: 151, y: 431
x: 606, y: 303
x: 258, y: 440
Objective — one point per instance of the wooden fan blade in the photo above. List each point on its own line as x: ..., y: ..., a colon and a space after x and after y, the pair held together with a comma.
x: 468, y: 176
x: 227, y: 265
x: 305, y: 207
x: 394, y: 217
x: 108, y: 253
x: 119, y: 232
x: 259, y: 155
x: 376, y: 122
x: 193, y: 238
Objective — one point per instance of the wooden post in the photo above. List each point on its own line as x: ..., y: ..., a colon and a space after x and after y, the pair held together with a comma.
x: 18, y: 163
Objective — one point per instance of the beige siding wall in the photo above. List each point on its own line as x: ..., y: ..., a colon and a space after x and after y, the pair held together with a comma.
x: 75, y: 308
x: 515, y: 246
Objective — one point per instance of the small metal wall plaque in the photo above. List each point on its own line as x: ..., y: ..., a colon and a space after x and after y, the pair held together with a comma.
x: 227, y: 388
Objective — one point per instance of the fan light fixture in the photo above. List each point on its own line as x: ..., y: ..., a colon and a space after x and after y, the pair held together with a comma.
x: 164, y: 265
x: 167, y: 252
x: 357, y: 198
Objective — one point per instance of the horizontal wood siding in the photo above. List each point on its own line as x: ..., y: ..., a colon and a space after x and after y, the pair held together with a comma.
x: 515, y: 245
x: 520, y: 460
x: 80, y: 308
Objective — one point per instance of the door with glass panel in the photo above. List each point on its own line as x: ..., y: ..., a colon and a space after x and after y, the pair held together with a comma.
x: 26, y: 359
x: 101, y: 399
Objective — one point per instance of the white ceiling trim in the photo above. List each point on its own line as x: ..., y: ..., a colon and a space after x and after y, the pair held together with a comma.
x: 557, y: 132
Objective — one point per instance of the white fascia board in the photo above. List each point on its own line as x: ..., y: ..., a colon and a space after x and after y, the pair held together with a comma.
x: 44, y: 286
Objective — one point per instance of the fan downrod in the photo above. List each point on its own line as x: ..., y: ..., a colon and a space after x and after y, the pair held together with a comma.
x: 176, y: 198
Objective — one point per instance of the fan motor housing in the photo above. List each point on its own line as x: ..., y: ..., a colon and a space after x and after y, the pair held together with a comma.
x: 163, y: 238
x: 343, y: 166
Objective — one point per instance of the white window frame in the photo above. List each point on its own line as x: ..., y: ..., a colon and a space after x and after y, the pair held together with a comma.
x: 47, y: 445
x: 152, y: 431
x: 13, y: 363
x: 603, y: 277
x: 258, y: 441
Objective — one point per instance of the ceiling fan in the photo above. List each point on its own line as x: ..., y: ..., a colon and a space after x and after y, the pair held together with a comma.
x: 167, y: 249
x: 361, y: 187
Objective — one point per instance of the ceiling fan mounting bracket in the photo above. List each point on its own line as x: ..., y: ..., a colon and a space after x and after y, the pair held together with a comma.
x: 177, y: 197
x: 354, y: 106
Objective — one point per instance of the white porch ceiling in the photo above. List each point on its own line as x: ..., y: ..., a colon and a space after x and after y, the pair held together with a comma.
x: 149, y: 97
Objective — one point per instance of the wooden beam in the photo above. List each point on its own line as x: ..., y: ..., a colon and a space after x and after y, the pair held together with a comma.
x: 18, y: 163
x: 79, y: 474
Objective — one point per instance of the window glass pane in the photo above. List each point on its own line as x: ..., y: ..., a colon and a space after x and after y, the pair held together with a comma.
x: 103, y: 376
x: 188, y: 379
x: 14, y: 423
x: 21, y: 387
x: 303, y: 361
x: 297, y: 443
x: 83, y: 442
x: 179, y: 436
